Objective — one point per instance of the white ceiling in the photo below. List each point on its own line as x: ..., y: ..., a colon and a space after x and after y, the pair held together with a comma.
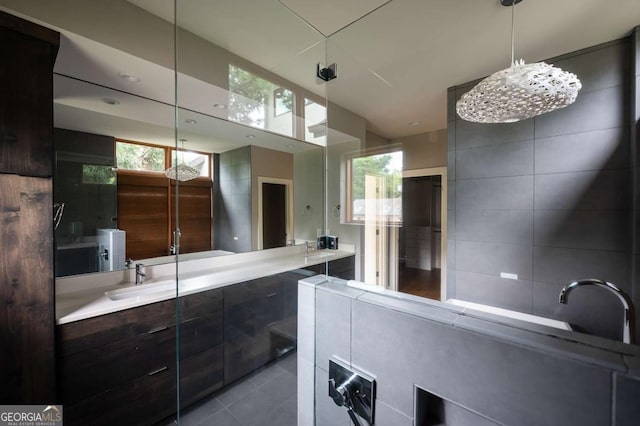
x: 395, y: 58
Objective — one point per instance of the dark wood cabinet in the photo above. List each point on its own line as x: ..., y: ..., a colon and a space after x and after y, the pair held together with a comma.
x: 255, y: 323
x: 27, y: 319
x: 340, y: 268
x: 123, y: 365
x: 28, y: 53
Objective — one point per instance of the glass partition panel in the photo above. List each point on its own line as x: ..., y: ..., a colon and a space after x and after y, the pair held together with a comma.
x: 245, y: 230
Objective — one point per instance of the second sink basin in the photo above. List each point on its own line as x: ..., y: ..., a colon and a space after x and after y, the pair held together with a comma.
x: 320, y: 255
x: 142, y: 290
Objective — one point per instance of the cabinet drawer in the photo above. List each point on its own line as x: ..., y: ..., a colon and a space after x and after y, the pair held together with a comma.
x: 200, y: 304
x: 143, y: 401
x: 200, y: 334
x: 94, y: 332
x: 242, y: 355
x: 201, y: 375
x: 252, y: 290
x: 94, y: 370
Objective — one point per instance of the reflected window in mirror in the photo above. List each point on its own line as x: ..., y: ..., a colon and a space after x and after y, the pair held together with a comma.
x: 374, y: 188
x: 198, y: 160
x: 315, y: 122
x: 140, y: 156
x: 260, y: 103
x: 98, y: 174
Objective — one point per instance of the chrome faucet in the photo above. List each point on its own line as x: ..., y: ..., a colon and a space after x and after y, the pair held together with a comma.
x: 140, y: 275
x: 308, y: 247
x: 628, y: 334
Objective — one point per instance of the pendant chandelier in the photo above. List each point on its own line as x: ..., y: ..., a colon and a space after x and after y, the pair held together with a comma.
x: 183, y: 172
x: 519, y: 92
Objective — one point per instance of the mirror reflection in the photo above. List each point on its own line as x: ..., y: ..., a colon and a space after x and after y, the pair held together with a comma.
x: 257, y: 148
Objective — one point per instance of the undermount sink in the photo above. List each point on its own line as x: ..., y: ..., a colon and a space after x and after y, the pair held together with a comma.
x: 321, y: 255
x: 141, y: 290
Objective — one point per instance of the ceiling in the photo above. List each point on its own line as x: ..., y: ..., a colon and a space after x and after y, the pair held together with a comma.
x: 395, y: 58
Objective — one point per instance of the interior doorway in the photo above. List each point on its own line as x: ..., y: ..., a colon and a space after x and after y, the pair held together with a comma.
x: 275, y: 212
x: 420, y: 240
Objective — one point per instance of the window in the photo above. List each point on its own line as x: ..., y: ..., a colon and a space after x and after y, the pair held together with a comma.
x: 282, y: 101
x: 375, y: 188
x: 260, y: 103
x: 141, y: 157
x: 315, y: 122
x: 97, y: 174
x: 197, y: 160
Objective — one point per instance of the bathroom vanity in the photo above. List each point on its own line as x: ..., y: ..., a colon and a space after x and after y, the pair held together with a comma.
x: 122, y: 364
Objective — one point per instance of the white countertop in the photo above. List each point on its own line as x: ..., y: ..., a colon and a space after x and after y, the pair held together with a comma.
x: 83, y: 296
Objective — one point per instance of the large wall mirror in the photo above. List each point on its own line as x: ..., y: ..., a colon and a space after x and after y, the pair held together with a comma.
x: 253, y: 124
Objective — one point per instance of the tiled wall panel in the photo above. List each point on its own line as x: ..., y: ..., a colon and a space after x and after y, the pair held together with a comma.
x: 549, y: 199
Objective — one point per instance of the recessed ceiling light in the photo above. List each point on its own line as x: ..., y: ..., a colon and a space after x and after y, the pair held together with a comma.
x: 190, y: 121
x: 110, y: 101
x: 220, y: 106
x: 290, y: 145
x: 414, y: 123
x: 251, y: 136
x: 129, y: 77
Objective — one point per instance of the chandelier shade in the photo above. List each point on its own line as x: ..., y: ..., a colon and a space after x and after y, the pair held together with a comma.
x: 182, y: 172
x: 519, y: 92
x: 185, y: 171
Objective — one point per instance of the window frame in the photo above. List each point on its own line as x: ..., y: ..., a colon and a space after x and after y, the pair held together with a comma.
x: 168, y: 151
x: 348, y: 170
x: 299, y: 93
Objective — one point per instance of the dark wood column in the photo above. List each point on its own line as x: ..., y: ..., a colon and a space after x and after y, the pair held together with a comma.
x: 27, y: 316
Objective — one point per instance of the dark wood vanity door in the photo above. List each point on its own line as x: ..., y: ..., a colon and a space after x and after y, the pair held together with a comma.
x: 123, y: 365
x: 26, y: 102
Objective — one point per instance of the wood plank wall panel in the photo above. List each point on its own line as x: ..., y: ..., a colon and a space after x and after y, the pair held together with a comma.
x: 194, y: 215
x: 143, y: 213
x: 27, y: 321
x: 146, y: 211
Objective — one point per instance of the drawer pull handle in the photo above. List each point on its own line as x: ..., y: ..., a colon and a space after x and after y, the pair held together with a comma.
x: 159, y: 370
x: 157, y: 329
x: 271, y: 295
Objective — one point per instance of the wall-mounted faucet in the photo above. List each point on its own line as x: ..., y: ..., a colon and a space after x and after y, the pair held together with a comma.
x: 628, y: 335
x: 140, y: 275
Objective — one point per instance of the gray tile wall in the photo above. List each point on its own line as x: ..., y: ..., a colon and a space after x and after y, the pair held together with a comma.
x: 233, y: 230
x: 485, y: 372
x: 549, y: 199
x: 635, y: 160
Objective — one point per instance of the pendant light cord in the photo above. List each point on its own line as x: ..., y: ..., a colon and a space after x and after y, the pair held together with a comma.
x: 513, y: 8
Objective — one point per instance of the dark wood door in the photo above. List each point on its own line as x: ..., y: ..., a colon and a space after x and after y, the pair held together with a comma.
x: 274, y: 215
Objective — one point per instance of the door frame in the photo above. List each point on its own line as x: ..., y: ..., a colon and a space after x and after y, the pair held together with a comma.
x: 288, y: 183
x: 437, y: 171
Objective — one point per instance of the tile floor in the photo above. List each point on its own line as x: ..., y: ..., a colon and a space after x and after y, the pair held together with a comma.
x: 266, y: 397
